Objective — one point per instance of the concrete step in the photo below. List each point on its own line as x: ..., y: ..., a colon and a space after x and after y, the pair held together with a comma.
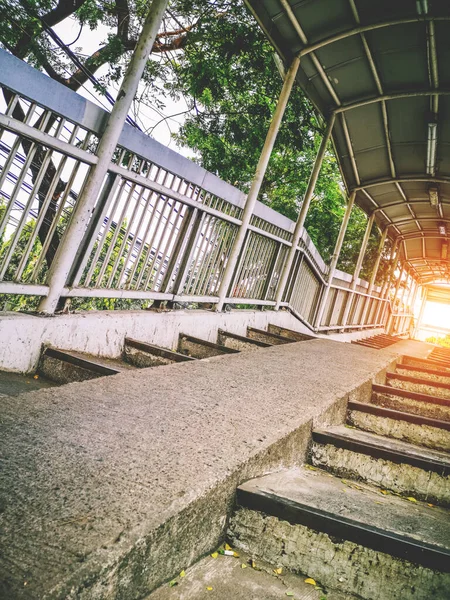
x: 441, y: 354
x: 426, y: 363
x: 143, y: 354
x: 234, y: 578
x: 433, y: 407
x: 67, y: 366
x: 377, y: 341
x: 349, y: 537
x: 392, y: 464
x: 14, y: 384
x: 239, y: 343
x: 418, y: 384
x: 197, y: 348
x: 424, y: 373
x: 413, y: 428
x: 267, y: 337
x: 289, y: 333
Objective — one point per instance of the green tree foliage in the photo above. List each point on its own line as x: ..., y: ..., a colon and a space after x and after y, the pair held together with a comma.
x: 440, y: 341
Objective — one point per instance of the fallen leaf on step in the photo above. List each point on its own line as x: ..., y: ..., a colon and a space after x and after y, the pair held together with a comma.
x: 289, y: 593
x: 310, y: 467
x: 228, y: 547
x: 243, y: 566
x: 172, y: 583
x: 432, y: 505
x: 278, y: 571
x: 310, y: 581
x: 183, y: 574
x: 384, y: 492
x: 35, y: 376
x: 411, y: 499
x: 253, y: 564
x: 209, y: 588
x: 215, y: 554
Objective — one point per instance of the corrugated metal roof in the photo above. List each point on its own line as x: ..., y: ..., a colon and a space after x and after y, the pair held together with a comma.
x: 384, y: 67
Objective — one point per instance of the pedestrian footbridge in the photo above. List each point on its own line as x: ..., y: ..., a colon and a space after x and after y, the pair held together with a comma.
x: 248, y: 403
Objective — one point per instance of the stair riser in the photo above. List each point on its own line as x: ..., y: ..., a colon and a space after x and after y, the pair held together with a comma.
x: 421, y: 388
x: 340, y: 565
x: 425, y: 375
x: 143, y: 360
x: 63, y: 372
x: 399, y: 478
x: 422, y: 435
x: 414, y: 407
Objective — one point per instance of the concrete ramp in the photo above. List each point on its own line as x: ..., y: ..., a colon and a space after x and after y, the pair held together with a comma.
x: 108, y: 487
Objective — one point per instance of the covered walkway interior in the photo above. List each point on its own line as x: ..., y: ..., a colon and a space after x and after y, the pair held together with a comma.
x: 379, y: 74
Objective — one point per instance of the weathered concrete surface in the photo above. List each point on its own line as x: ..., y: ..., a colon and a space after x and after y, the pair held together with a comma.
x: 225, y: 578
x: 420, y: 434
x: 109, y: 487
x: 410, y: 405
x: 422, y: 387
x: 432, y: 375
x: 13, y: 384
x: 398, y: 477
x: 336, y: 563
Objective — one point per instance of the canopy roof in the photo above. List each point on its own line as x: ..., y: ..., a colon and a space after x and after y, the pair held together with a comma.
x: 384, y: 67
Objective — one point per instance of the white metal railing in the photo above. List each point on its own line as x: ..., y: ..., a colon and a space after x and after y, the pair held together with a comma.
x: 162, y: 227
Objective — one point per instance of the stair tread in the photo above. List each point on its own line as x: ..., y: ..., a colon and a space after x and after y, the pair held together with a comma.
x: 353, y: 510
x: 417, y: 380
x: 398, y: 415
x: 114, y: 364
x: 391, y: 444
x: 13, y: 384
x: 400, y: 392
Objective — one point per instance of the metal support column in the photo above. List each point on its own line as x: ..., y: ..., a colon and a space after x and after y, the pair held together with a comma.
x: 303, y: 212
x: 397, y: 287
x: 334, y: 260
x: 373, y: 277
x: 68, y: 247
x: 257, y: 181
x: 358, y: 267
x: 382, y: 306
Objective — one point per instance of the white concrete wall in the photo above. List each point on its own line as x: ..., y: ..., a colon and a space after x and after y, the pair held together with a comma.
x: 102, y: 333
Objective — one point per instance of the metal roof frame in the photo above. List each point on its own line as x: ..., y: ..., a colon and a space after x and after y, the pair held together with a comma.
x: 305, y: 28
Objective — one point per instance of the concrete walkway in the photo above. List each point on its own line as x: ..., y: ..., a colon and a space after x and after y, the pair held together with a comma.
x: 108, y: 487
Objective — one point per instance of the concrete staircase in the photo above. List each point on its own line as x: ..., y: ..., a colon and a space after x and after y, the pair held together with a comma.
x: 62, y: 366
x: 368, y: 515
x: 377, y: 341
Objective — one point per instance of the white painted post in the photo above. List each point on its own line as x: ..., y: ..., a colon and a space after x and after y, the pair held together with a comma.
x: 334, y: 260
x: 359, y: 262
x: 257, y: 181
x: 84, y: 207
x: 373, y: 277
x: 397, y: 287
x: 382, y: 307
x: 303, y: 212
